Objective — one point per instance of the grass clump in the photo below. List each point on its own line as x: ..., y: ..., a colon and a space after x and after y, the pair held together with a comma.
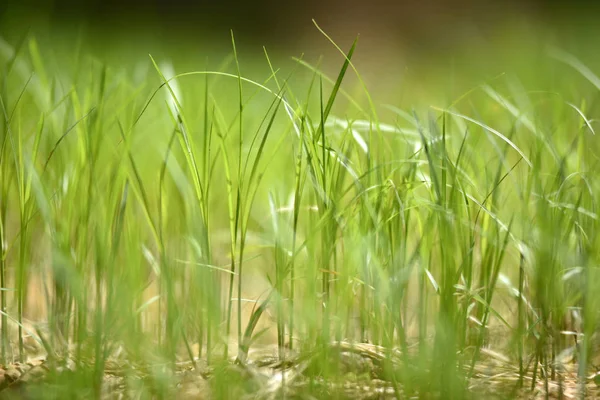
x: 161, y: 231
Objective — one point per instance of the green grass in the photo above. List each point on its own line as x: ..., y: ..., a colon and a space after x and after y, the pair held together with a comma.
x: 149, y: 219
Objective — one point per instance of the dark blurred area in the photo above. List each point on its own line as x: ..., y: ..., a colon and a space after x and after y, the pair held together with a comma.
x: 273, y: 21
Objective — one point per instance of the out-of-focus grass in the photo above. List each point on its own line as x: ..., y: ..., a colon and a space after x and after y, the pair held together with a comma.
x: 149, y: 217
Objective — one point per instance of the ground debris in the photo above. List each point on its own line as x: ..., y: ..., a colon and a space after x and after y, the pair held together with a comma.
x: 356, y: 371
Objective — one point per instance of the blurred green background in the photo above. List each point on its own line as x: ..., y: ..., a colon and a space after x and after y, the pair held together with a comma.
x: 396, y: 37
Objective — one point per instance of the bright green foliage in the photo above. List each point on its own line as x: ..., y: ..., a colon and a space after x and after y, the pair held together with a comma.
x: 139, y: 210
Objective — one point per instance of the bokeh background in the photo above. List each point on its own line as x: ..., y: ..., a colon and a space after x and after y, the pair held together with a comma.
x: 283, y: 21
x: 450, y: 45
x: 413, y: 26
